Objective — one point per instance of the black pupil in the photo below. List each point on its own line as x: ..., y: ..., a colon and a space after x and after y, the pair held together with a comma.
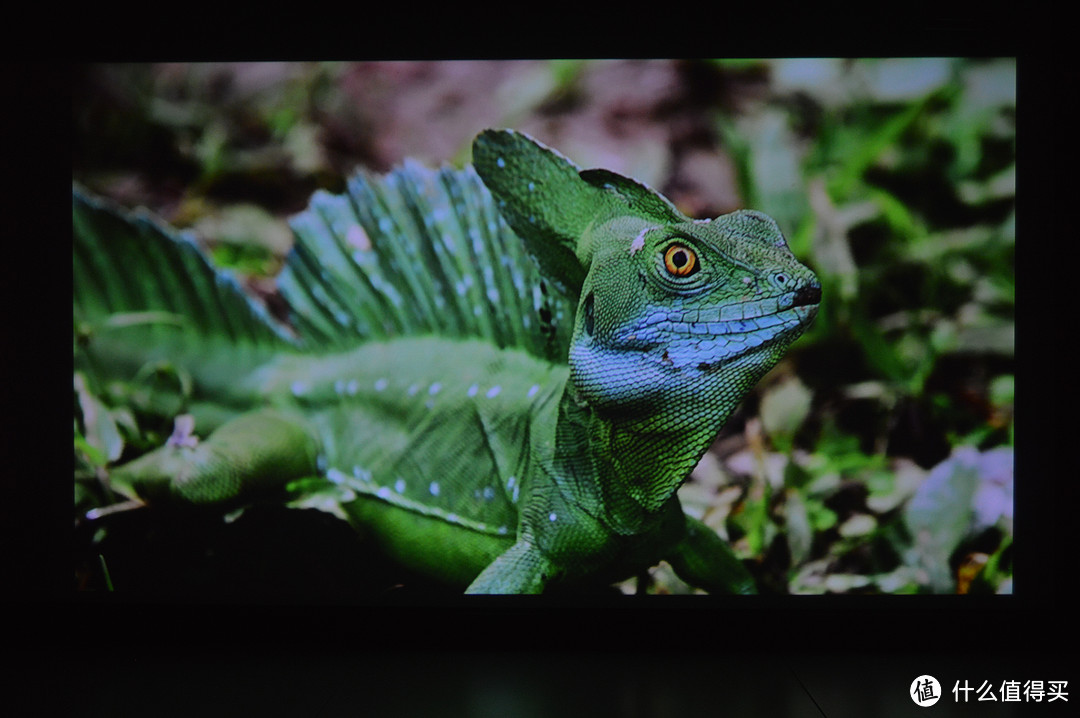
x: 679, y: 258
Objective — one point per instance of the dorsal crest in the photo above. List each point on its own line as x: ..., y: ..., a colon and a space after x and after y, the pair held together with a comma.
x: 551, y: 203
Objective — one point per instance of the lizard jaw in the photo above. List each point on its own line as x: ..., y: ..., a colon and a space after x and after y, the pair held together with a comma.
x: 711, y: 338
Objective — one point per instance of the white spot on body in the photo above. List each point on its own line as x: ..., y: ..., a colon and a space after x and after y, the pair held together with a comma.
x: 298, y: 388
x: 552, y: 516
x: 472, y: 391
x: 500, y: 162
x: 381, y: 384
x: 434, y: 488
x: 532, y: 391
x: 383, y: 492
x: 434, y: 388
x: 399, y: 485
x: 493, y: 392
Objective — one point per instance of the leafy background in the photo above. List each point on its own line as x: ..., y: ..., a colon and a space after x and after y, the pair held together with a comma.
x: 876, y: 458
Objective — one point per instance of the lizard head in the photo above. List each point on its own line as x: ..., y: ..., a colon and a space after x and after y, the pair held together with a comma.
x: 687, y: 315
x: 677, y: 318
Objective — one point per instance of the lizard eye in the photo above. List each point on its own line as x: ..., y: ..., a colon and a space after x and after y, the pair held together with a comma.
x: 680, y: 260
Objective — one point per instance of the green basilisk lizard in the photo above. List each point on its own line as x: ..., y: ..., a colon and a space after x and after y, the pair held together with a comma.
x: 502, y: 388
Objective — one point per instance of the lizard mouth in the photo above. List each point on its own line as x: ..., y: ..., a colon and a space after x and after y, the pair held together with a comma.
x: 713, y: 337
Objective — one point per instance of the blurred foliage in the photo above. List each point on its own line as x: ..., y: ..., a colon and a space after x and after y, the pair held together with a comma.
x: 876, y: 458
x: 896, y: 179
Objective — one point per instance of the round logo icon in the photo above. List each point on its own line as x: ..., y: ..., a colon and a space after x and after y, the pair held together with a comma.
x: 925, y: 691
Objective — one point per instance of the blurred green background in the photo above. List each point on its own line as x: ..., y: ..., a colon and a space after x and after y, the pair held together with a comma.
x: 876, y: 458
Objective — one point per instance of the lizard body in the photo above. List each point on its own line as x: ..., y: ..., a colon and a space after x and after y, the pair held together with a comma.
x: 505, y: 450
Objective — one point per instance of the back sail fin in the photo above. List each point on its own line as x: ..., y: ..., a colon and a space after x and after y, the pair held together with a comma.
x: 144, y: 295
x: 419, y: 252
x: 415, y: 252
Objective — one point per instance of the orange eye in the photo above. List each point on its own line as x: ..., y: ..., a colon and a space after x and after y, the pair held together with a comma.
x: 680, y: 260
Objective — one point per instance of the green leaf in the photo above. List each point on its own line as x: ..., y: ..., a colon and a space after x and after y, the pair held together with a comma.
x: 783, y: 409
x: 101, y: 437
x: 799, y: 531
x: 905, y: 78
x: 131, y: 264
x: 861, y: 154
x: 1002, y: 391
x: 94, y: 455
x: 774, y: 164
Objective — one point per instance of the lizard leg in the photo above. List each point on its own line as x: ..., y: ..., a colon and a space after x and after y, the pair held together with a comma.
x: 703, y: 559
x: 521, y: 569
x: 253, y: 454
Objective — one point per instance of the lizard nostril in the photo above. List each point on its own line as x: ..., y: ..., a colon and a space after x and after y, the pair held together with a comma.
x: 810, y: 294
